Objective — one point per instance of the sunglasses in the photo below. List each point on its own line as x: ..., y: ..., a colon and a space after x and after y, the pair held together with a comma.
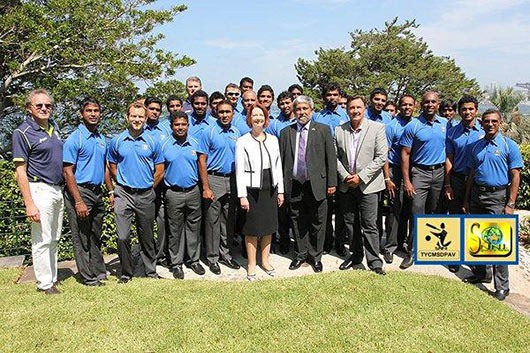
x: 41, y: 105
x: 233, y: 94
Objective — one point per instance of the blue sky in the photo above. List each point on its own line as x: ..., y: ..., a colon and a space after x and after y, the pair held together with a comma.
x: 489, y: 39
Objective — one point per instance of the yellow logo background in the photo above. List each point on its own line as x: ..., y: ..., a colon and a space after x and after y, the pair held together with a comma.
x: 438, y: 239
x: 489, y: 239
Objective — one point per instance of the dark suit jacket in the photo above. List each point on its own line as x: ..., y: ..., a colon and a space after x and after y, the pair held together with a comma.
x: 321, y: 159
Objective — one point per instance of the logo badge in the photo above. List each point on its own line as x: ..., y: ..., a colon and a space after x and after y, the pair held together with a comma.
x: 438, y: 239
x: 145, y: 147
x: 490, y: 239
x: 497, y: 152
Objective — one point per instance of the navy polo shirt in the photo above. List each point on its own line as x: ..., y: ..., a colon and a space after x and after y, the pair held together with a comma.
x: 181, y: 162
x: 86, y: 150
x: 383, y: 117
x: 159, y: 131
x: 196, y: 126
x: 459, y: 138
x: 41, y: 150
x: 394, y: 130
x: 240, y: 122
x: 277, y: 125
x: 492, y: 160
x: 220, y: 146
x: 426, y: 140
x: 332, y: 118
x: 135, y: 159
x: 187, y: 107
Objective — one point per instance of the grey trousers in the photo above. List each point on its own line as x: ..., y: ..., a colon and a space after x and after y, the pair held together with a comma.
x: 483, y: 202
x: 428, y: 185
x: 220, y: 218
x: 184, y: 213
x: 140, y: 206
x: 86, y: 234
x: 397, y: 221
x: 367, y: 205
x: 308, y: 217
x: 458, y: 184
x: 162, y: 222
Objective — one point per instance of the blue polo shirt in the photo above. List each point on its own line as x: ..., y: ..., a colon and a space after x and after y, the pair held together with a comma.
x: 332, y: 118
x: 159, y: 131
x: 180, y: 162
x: 492, y: 160
x: 41, y: 150
x: 383, y: 117
x: 86, y: 150
x: 394, y: 130
x: 240, y: 122
x: 426, y: 140
x: 196, y: 126
x: 220, y: 146
x: 135, y: 159
x: 459, y: 138
x: 239, y: 106
x: 277, y: 125
x: 187, y: 107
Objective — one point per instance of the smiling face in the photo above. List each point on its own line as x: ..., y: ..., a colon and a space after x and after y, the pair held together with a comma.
x: 377, y: 102
x: 258, y: 119
x: 40, y: 107
x: 491, y: 124
x: 303, y: 112
x: 265, y: 98
x: 225, y: 113
x: 200, y: 106
x: 356, y: 110
x: 174, y: 106
x: 286, y: 106
x: 406, y: 107
x: 179, y: 126
x: 90, y: 115
x: 429, y: 104
x: 232, y: 94
x: 468, y: 112
x: 136, y: 118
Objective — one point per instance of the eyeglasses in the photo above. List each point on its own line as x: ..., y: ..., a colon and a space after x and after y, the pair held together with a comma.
x: 39, y: 106
x: 233, y: 94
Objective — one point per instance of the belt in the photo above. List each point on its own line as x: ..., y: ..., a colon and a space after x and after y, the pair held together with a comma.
x: 42, y: 181
x: 221, y: 174
x: 178, y: 188
x: 134, y: 190
x: 89, y: 186
x: 491, y: 188
x: 428, y: 167
x: 459, y: 175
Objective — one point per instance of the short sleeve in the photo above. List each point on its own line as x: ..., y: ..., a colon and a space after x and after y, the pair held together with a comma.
x: 71, y: 149
x: 157, y: 153
x: 112, y: 154
x: 449, y: 146
x: 389, y: 134
x: 515, y: 160
x: 204, y: 142
x: 407, y: 138
x: 21, y: 146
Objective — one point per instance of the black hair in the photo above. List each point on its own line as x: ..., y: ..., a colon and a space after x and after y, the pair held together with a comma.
x: 199, y: 93
x: 172, y: 97
x: 246, y: 79
x: 284, y: 95
x: 216, y: 95
x: 447, y: 103
x: 177, y: 115
x: 390, y: 103
x: 378, y: 90
x: 265, y: 88
x: 150, y: 100
x: 466, y: 98
x: 405, y: 95
x: 225, y: 102
x: 330, y: 87
x: 492, y: 111
x: 295, y: 86
x: 87, y: 101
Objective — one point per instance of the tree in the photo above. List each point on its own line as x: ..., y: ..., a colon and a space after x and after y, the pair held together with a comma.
x: 392, y: 58
x: 77, y: 48
x: 506, y: 100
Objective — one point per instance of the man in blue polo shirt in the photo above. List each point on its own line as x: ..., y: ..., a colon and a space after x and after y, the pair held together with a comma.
x: 286, y: 117
x: 240, y: 120
x: 215, y: 98
x: 376, y: 111
x: 199, y: 119
x: 333, y: 115
x: 160, y: 132
x: 216, y: 171
x: 183, y: 196
x: 136, y: 164
x: 495, y: 165
x: 397, y: 220
x: 232, y: 93
x: 423, y: 151
x: 38, y: 157
x: 84, y: 155
x: 266, y: 97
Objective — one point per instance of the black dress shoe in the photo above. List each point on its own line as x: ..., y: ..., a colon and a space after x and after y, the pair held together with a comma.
x: 95, y: 284
x: 389, y: 257
x: 317, y: 266
x: 349, y: 263
x: 284, y: 248
x: 178, y: 273
x: 380, y: 271
x: 230, y: 263
x: 124, y: 280
x: 453, y: 268
x: 197, y: 268
x: 502, y: 294
x: 406, y: 263
x: 341, y: 250
x: 295, y: 264
x: 475, y: 280
x: 214, y: 267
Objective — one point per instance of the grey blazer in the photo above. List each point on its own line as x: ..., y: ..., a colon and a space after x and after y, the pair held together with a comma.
x: 371, y: 155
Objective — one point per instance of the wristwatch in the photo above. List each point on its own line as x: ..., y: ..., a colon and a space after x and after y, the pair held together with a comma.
x: 510, y: 204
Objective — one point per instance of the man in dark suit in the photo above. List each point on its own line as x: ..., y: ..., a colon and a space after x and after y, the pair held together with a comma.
x: 310, y: 175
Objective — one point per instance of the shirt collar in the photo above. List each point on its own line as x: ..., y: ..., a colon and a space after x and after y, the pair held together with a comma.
x: 156, y: 126
x: 424, y: 120
x: 300, y: 127
x: 200, y: 121
x: 129, y: 136
x: 402, y: 121
x: 496, y: 140
x: 362, y: 126
x: 223, y: 129
x: 35, y: 126
x: 326, y: 110
x: 185, y: 143
x: 87, y: 133
x: 475, y: 127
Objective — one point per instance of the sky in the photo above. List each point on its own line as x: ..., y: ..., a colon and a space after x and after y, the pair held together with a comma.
x: 488, y: 39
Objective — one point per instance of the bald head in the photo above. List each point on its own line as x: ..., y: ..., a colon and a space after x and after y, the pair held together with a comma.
x: 430, y: 102
x: 249, y: 98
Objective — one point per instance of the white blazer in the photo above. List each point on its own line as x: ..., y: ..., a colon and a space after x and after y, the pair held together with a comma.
x: 249, y: 164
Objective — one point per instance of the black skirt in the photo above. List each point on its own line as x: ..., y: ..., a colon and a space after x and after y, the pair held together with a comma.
x: 262, y: 217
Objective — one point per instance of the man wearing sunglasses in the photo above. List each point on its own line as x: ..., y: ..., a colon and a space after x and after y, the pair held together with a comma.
x: 38, y: 157
x: 232, y: 93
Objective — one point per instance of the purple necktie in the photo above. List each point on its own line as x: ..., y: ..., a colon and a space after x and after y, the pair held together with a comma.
x: 300, y: 167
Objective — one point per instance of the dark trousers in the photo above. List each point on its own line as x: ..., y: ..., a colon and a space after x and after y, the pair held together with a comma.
x: 428, y: 185
x: 458, y: 184
x: 484, y: 202
x: 366, y: 204
x: 140, y: 206
x: 86, y: 234
x: 162, y: 222
x: 334, y: 236
x: 220, y: 217
x: 308, y: 217
x: 284, y: 223
x: 397, y: 221
x: 184, y: 213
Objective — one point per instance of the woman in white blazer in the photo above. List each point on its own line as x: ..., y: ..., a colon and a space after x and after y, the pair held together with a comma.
x: 259, y: 179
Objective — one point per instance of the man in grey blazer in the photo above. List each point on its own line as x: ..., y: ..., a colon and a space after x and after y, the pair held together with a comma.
x: 310, y: 175
x: 361, y: 154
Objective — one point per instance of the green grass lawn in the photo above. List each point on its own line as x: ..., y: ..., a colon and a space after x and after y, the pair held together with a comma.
x: 352, y: 311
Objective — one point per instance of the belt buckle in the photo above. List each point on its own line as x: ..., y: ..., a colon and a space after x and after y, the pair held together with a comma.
x: 482, y: 188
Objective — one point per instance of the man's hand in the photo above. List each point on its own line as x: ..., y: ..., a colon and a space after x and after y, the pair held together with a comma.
x: 465, y: 207
x: 508, y: 210
x: 111, y: 200
x: 391, y: 188
x: 449, y: 192
x: 208, y: 194
x: 409, y: 189
x: 33, y: 213
x: 331, y: 190
x: 281, y: 199
x: 81, y: 210
x: 354, y: 181
x: 244, y: 204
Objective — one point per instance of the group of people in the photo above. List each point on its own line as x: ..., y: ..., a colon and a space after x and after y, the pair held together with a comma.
x: 220, y: 166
